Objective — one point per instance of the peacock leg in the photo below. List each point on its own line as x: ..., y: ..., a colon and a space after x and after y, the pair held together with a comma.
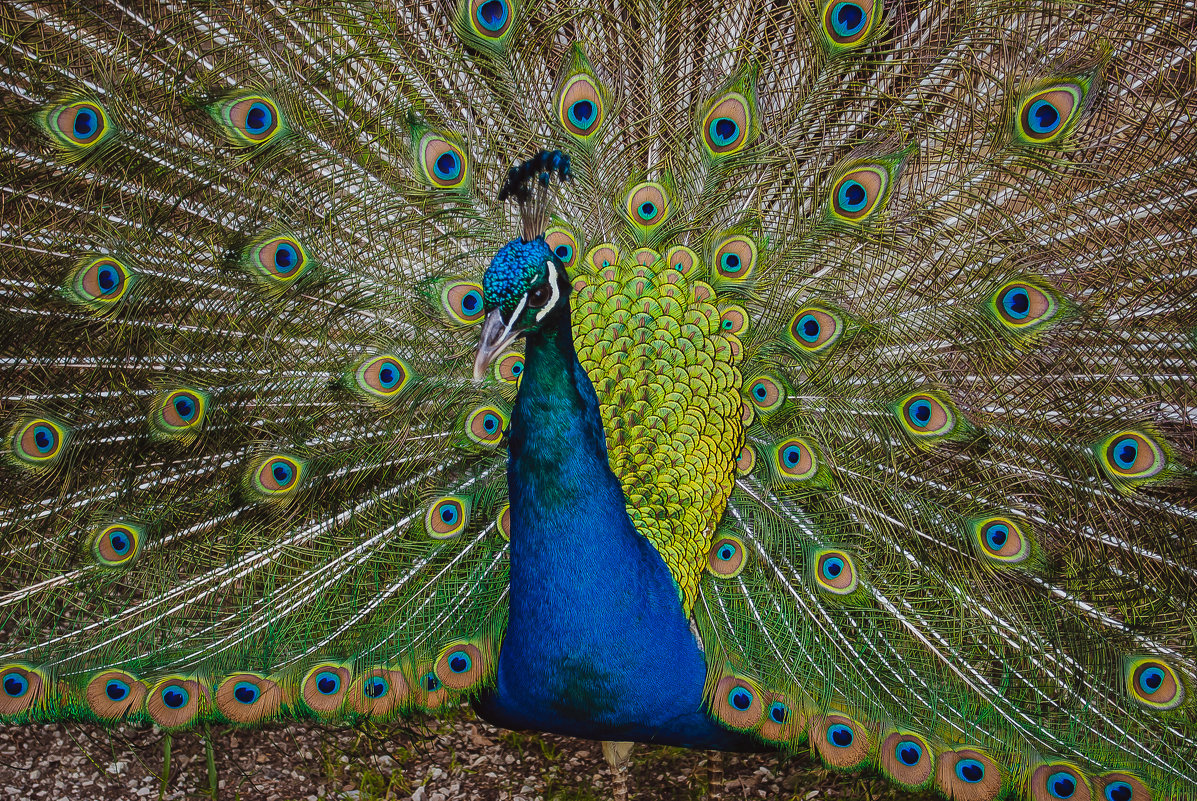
x: 616, y: 753
x: 714, y: 775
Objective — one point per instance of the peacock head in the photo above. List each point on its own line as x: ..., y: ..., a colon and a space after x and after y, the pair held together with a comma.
x: 523, y: 287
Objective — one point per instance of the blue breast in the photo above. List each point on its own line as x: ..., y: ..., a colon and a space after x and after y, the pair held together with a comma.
x: 597, y: 645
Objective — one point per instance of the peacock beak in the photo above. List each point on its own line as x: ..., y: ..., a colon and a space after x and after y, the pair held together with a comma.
x: 497, y: 334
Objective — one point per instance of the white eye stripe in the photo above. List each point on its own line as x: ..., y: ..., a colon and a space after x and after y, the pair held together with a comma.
x: 556, y: 292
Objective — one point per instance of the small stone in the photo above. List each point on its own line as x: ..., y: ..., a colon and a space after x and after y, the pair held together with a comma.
x: 418, y: 794
x: 811, y: 795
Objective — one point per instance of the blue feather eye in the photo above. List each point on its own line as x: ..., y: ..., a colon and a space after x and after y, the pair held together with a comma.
x: 462, y: 665
x: 647, y: 206
x: 970, y: 770
x: 795, y: 460
x: 38, y: 442
x: 278, y: 261
x: 276, y: 476
x: 765, y: 393
x: 1001, y: 540
x: 447, y: 517
x: 779, y: 713
x: 1061, y: 785
x: 178, y: 414
x: 580, y: 106
x: 327, y: 683
x: 250, y: 120
x: 725, y: 128
x: 858, y: 194
x: 735, y: 258
x: 847, y: 24
x: 1022, y: 306
x: 77, y: 127
x: 1130, y: 458
x: 375, y: 687
x: 245, y: 692
x: 99, y: 284
x: 925, y: 417
x: 908, y: 752
x: 564, y: 246
x: 814, y: 329
x: 835, y: 572
x: 1118, y: 791
x: 117, y: 544
x: 737, y: 703
x: 485, y: 425
x: 442, y: 162
x: 492, y: 16
x: 1046, y: 116
x: 462, y: 301
x: 382, y: 378
x: 15, y: 685
x: 175, y: 696
x: 726, y: 558
x: 1154, y: 684
x: 174, y: 702
x: 113, y: 694
x: 681, y: 259
x: 840, y: 736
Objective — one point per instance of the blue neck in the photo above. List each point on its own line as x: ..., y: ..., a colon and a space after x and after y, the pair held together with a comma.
x: 597, y: 644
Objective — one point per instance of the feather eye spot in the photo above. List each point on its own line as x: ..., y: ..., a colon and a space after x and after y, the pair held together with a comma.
x: 447, y: 517
x: 485, y: 426
x: 327, y: 683
x: 174, y: 702
x: 840, y: 736
x: 909, y: 753
x: 444, y: 163
x: 813, y: 329
x: 462, y: 301
x: 737, y: 703
x: 564, y: 246
x: 1154, y: 684
x: 1045, y: 116
x: 733, y: 320
x: 970, y: 771
x: 1123, y: 787
x: 580, y: 106
x: 746, y: 460
x: 491, y: 18
x: 21, y: 685
x: 923, y: 415
x: 1001, y: 540
x: 113, y: 694
x: 382, y: 377
x: 78, y: 126
x: 735, y: 258
x: 765, y: 393
x: 1022, y: 306
x: 509, y: 368
x: 115, y: 545
x: 1130, y: 455
x: 795, y: 460
x: 99, y: 283
x: 116, y: 690
x: 15, y: 685
x: 1061, y: 785
x: 255, y: 120
x: 461, y: 666
x: 647, y: 205
x: 280, y: 260
x: 681, y: 259
x: 725, y: 127
x: 835, y: 572
x: 279, y: 474
x: 726, y: 557
x: 847, y: 24
x: 858, y: 194
x: 179, y: 413
x: 38, y: 442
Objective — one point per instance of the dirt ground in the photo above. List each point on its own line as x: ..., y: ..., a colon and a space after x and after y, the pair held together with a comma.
x: 424, y: 760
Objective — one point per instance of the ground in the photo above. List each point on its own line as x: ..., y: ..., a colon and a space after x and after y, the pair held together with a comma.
x: 424, y: 760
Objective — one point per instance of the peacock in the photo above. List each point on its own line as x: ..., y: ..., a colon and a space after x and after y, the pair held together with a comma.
x: 764, y: 375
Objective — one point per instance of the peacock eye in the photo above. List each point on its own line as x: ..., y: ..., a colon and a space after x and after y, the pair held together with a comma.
x: 539, y: 296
